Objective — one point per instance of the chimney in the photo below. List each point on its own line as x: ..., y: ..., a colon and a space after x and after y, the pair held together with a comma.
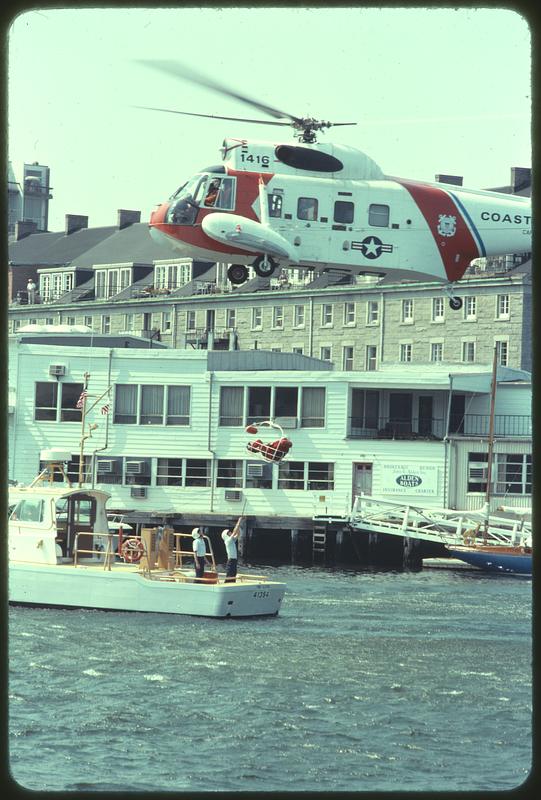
x: 127, y: 218
x: 75, y: 222
x: 521, y: 178
x: 456, y: 180
x: 24, y: 228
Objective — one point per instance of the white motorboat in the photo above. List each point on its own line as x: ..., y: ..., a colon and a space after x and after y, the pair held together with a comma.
x: 63, y: 553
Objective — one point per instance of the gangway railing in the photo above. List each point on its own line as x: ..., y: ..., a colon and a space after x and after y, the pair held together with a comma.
x: 443, y: 525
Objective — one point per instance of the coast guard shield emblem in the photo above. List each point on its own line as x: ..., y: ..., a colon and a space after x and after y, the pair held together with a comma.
x: 446, y: 225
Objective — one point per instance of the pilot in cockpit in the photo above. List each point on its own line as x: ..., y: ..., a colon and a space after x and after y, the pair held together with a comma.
x: 212, y: 192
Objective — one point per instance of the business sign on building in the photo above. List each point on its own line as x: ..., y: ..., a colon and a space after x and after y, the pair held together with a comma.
x: 411, y: 479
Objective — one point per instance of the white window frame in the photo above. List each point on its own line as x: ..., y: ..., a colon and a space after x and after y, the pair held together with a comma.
x: 468, y: 347
x: 433, y: 345
x: 372, y: 312
x: 470, y: 308
x: 348, y: 354
x: 503, y: 306
x: 502, y: 345
x: 407, y: 316
x: 278, y: 317
x: 405, y: 349
x: 257, y: 318
x: 322, y: 352
x: 326, y: 315
x: 438, y: 309
x: 299, y: 312
x: 371, y: 357
x: 349, y: 313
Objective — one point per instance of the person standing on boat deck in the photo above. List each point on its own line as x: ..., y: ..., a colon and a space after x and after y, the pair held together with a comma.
x: 230, y: 536
x: 199, y: 550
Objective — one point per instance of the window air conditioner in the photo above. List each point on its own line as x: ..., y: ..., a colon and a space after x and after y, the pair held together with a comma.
x: 138, y: 491
x: 106, y: 466
x: 134, y: 467
x: 57, y: 370
x: 254, y: 470
x: 233, y: 494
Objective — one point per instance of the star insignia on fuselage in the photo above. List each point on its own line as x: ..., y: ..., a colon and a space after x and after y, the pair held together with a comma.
x: 372, y: 247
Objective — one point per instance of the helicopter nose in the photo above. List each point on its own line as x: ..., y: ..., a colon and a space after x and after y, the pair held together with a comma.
x: 158, y: 215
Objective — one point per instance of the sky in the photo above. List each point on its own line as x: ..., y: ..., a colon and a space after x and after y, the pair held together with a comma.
x: 434, y: 91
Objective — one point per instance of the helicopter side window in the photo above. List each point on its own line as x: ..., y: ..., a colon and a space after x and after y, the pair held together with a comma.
x: 275, y: 205
x: 378, y: 215
x: 307, y: 208
x: 343, y: 211
x: 220, y: 193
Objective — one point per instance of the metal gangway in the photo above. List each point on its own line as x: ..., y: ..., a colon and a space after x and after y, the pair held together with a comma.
x: 443, y: 525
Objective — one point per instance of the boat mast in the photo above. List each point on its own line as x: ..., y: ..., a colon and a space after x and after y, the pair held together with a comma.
x: 491, y: 429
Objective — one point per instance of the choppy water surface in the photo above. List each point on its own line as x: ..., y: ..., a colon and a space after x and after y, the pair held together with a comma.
x: 366, y: 681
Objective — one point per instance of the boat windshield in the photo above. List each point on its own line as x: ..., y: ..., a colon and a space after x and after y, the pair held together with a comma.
x: 203, y: 191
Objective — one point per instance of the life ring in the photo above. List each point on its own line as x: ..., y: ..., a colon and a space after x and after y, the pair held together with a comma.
x: 132, y: 550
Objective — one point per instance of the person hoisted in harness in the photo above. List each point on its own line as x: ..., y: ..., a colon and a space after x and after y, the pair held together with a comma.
x: 272, y: 451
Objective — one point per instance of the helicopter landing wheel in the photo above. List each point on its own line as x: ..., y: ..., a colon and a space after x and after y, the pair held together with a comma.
x: 264, y: 266
x: 237, y: 273
x: 455, y: 303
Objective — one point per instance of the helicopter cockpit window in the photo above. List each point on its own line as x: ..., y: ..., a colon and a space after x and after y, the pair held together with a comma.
x: 378, y: 215
x: 219, y: 193
x: 183, y: 210
x: 343, y: 211
x: 307, y: 208
x: 275, y: 205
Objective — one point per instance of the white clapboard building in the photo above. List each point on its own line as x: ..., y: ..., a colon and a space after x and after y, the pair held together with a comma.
x: 164, y: 431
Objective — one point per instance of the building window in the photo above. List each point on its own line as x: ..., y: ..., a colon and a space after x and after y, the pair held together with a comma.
x: 151, y: 405
x: 169, y: 472
x: 436, y: 351
x: 326, y: 315
x: 70, y: 320
x: 291, y: 475
x: 129, y: 322
x: 407, y: 311
x: 378, y: 215
x: 307, y: 208
x: 470, y: 308
x: 230, y: 317
x: 320, y: 476
x: 438, y: 309
x: 166, y: 322
x: 257, y: 318
x: 349, y: 313
x: 313, y: 407
x: 231, y: 405
x: 190, y: 320
x: 325, y: 353
x: 71, y: 392
x: 468, y: 352
x: 502, y: 306
x: 278, y: 317
x: 371, y: 363
x: 125, y: 404
x: 109, y: 470
x: 502, y: 352
x: 229, y: 473
x: 364, y: 410
x: 46, y: 401
x: 178, y: 405
x: 298, y: 350
x: 88, y: 321
x: 298, y: 316
x: 259, y: 403
x: 343, y: 212
x: 137, y: 471
x: 347, y: 358
x: 106, y: 324
x: 258, y: 476
x: 405, y: 352
x: 511, y: 473
x: 372, y: 312
x: 197, y: 472
x: 286, y: 401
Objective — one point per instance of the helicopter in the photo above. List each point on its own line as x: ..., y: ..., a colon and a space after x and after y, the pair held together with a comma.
x: 321, y: 206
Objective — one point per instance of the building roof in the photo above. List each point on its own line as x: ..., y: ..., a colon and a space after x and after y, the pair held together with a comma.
x: 132, y: 244
x: 246, y: 360
x: 55, y: 249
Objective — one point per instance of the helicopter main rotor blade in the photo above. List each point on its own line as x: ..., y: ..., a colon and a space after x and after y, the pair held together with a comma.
x: 178, y: 70
x: 215, y: 116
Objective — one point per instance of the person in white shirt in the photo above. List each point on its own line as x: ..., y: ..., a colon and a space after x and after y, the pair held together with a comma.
x: 199, y: 551
x: 230, y: 539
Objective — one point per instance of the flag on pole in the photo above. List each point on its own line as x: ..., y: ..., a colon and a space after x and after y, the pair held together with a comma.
x: 81, y: 401
x: 105, y: 409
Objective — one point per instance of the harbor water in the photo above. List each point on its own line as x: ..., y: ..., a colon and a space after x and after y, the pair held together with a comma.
x: 367, y: 681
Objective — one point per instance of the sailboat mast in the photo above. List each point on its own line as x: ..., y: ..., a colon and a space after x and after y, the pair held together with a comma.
x: 491, y: 424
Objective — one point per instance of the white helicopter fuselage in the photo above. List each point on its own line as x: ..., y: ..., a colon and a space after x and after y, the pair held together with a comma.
x: 323, y: 206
